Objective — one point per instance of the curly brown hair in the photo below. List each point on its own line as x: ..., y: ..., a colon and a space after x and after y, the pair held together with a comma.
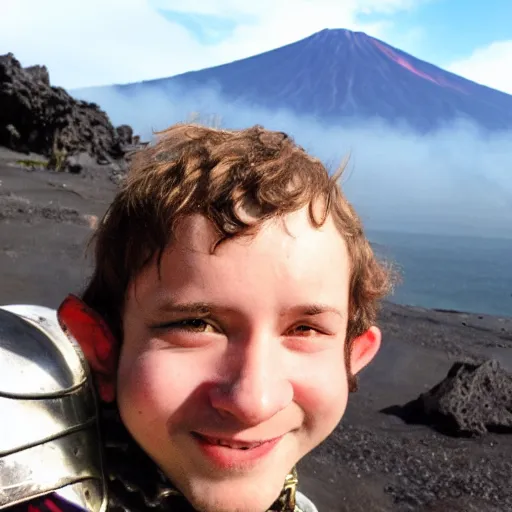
x: 220, y: 173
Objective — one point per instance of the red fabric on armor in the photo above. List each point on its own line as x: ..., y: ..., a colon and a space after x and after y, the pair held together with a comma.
x: 97, y: 342
x: 52, y: 503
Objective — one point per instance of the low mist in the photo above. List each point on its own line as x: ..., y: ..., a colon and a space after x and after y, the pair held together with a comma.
x: 457, y: 180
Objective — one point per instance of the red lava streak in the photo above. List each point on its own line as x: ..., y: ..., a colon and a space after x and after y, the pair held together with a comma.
x: 407, y: 65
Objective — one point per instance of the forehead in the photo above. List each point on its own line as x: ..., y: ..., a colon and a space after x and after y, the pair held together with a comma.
x: 286, y: 256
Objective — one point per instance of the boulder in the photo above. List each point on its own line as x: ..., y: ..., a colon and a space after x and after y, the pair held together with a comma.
x: 472, y: 400
x: 39, y: 74
x: 76, y: 163
x: 125, y: 134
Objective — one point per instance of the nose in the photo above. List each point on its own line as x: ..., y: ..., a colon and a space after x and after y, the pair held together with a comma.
x: 256, y: 386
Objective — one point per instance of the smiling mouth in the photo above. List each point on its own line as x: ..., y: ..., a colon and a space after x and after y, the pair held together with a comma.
x: 229, y: 454
x: 233, y: 444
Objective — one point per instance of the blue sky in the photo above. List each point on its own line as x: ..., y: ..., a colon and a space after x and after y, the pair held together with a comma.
x: 207, y: 29
x: 449, y: 30
x: 92, y: 42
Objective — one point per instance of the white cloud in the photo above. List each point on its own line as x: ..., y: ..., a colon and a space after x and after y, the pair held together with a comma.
x: 490, y: 65
x: 97, y: 42
x: 452, y: 180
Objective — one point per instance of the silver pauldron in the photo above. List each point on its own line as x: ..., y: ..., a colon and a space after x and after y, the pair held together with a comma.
x: 49, y: 439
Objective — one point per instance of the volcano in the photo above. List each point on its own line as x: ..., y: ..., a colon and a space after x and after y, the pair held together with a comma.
x: 338, y: 75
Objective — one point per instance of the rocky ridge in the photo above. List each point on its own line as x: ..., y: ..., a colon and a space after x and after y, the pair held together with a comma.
x: 38, y: 118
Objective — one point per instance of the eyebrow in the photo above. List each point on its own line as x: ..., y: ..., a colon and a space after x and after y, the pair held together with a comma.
x: 205, y: 309
x: 193, y: 308
x: 315, y: 309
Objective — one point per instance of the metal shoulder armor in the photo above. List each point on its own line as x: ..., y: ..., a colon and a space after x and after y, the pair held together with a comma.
x: 49, y: 439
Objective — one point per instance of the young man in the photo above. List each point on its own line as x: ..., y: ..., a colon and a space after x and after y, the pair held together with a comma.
x: 233, y: 301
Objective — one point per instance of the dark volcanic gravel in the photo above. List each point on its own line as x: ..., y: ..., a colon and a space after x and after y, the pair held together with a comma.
x: 373, y: 462
x: 422, y: 468
x: 13, y: 207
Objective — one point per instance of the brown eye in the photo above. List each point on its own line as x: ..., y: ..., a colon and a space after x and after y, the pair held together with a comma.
x: 188, y: 325
x: 196, y: 325
x: 304, y: 330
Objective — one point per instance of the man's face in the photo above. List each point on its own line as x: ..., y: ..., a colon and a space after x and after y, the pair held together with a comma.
x: 232, y: 367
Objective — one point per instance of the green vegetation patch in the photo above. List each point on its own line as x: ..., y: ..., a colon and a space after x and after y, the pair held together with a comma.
x: 32, y: 164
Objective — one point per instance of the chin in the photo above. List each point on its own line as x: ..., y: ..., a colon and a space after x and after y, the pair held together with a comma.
x: 234, y: 496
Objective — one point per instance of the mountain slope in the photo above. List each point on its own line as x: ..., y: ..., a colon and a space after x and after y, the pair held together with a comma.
x: 337, y: 74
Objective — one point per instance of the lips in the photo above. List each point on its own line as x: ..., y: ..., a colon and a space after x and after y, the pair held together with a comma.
x: 234, y: 454
x: 234, y: 444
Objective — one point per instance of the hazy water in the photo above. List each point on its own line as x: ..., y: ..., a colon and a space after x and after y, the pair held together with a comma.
x: 450, y: 272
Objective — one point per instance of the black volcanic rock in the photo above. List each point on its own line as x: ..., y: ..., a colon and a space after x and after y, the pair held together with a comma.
x: 473, y: 399
x: 39, y: 74
x: 339, y: 75
x: 125, y: 134
x: 36, y: 117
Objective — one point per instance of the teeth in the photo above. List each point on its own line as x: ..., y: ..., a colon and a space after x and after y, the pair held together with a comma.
x: 244, y: 447
x: 234, y: 446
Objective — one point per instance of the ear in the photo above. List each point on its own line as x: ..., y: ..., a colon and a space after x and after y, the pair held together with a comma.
x: 364, y: 349
x: 96, y: 340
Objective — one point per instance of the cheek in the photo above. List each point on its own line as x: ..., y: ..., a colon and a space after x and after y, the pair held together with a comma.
x: 321, y: 390
x: 155, y: 387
